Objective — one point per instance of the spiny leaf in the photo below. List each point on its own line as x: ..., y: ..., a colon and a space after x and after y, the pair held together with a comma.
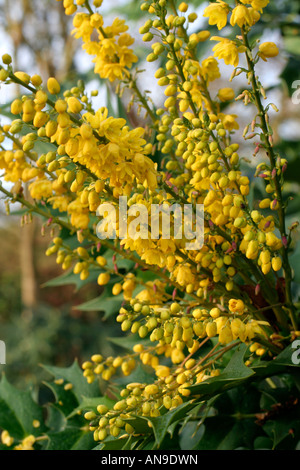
x: 91, y: 403
x: 74, y: 375
x: 161, y: 424
x: 71, y: 438
x: 70, y: 278
x: 18, y: 410
x: 109, y: 305
x: 234, y: 374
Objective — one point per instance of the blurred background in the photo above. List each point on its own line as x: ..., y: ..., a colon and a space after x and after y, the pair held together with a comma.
x: 41, y: 318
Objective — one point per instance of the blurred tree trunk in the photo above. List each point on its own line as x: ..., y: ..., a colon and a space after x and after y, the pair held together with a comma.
x: 27, y: 265
x: 36, y: 29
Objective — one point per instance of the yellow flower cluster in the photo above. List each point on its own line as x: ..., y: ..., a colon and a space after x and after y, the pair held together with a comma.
x: 26, y: 443
x: 245, y: 14
x: 215, y: 295
x: 100, y: 144
x: 113, y: 56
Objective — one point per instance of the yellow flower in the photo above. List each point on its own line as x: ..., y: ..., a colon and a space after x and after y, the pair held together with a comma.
x: 267, y: 50
x: 118, y: 26
x: 238, y: 329
x: 79, y: 214
x: 153, y: 257
x: 255, y: 15
x: 41, y: 189
x: 26, y: 444
x: 6, y: 439
x: 184, y: 276
x: 217, y: 14
x: 226, y: 50
x: 83, y: 28
x: 236, y: 306
x: 229, y: 121
x: 241, y: 16
x: 59, y: 202
x: 259, y: 4
x: 225, y: 335
x: 210, y: 69
x: 226, y: 94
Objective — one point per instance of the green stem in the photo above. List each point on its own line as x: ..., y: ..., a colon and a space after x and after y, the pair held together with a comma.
x: 139, y: 94
x: 272, y: 157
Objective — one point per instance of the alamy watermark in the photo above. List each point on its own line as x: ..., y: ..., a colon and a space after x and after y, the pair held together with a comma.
x: 296, y: 94
x: 2, y: 352
x: 163, y: 221
x: 296, y: 354
x: 159, y: 221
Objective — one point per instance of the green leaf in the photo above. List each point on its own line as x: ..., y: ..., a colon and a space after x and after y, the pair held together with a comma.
x: 65, y: 400
x: 161, y: 424
x: 109, y: 306
x: 277, y: 365
x: 141, y: 374
x: 18, y: 410
x: 292, y: 44
x: 122, y: 263
x: 70, y: 278
x: 220, y: 433
x: 191, y: 434
x: 127, y: 342
x: 112, y: 443
x: 295, y: 263
x: 263, y: 443
x: 74, y: 375
x: 235, y: 373
x: 91, y: 403
x: 71, y: 438
x: 56, y: 421
x: 279, y: 429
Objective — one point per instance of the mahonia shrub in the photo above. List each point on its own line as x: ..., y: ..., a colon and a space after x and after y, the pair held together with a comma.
x: 202, y: 320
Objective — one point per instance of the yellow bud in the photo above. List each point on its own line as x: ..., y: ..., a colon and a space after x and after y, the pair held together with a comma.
x: 183, y: 7
x: 86, y: 131
x: 61, y: 106
x: 265, y: 203
x: 53, y: 86
x: 103, y: 279
x: 175, y: 307
x: 266, y: 268
x: 24, y: 77
x: 101, y: 261
x: 6, y: 59
x: 226, y: 94
x: 36, y: 80
x: 215, y: 312
x: 16, y: 106
x: 190, y: 363
x: 151, y: 389
x: 74, y: 105
x: 177, y: 356
x: 117, y: 289
x: 40, y: 119
x: 211, y: 329
x: 276, y: 263
x: 51, y: 128
x: 89, y: 415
